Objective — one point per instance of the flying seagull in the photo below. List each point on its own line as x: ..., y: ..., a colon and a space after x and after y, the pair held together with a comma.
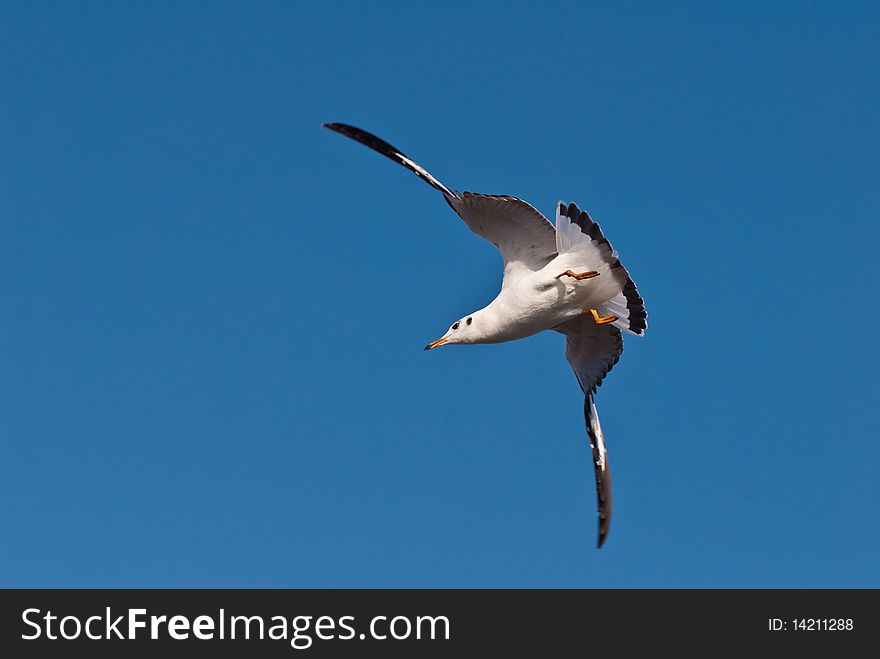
x: 565, y: 278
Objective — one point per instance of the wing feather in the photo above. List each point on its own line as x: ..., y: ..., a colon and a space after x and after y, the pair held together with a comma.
x: 525, y: 238
x: 601, y: 467
x: 593, y: 350
x: 379, y: 145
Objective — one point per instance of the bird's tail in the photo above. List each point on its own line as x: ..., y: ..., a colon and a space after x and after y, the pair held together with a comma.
x: 629, y: 308
x: 578, y: 234
x: 569, y: 235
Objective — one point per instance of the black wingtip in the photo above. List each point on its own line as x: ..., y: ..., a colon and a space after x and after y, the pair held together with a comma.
x: 354, y: 133
x: 602, y: 468
x: 389, y: 151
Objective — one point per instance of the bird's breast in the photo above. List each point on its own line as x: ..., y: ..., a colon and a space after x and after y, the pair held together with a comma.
x: 532, y: 305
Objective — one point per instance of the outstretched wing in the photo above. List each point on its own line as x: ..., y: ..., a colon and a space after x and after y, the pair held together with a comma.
x: 592, y: 350
x: 600, y: 466
x: 381, y: 146
x: 525, y: 238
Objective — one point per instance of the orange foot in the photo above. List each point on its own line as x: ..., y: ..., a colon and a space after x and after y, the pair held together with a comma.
x: 583, y: 275
x: 601, y: 320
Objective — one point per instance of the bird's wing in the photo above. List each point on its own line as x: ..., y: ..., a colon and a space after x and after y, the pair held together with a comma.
x: 592, y: 350
x: 525, y: 238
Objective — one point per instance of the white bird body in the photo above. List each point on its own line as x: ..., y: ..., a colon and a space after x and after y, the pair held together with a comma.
x: 541, y: 300
x: 565, y: 278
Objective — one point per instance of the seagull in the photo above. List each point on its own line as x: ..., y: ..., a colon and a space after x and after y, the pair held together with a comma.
x: 565, y: 278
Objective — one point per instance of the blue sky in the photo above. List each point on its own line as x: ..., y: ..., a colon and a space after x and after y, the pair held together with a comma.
x: 212, y: 311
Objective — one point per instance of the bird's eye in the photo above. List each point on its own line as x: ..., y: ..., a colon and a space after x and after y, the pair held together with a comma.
x: 470, y: 320
x: 455, y: 325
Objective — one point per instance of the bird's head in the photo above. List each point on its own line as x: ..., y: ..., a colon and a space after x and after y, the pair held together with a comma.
x: 464, y: 330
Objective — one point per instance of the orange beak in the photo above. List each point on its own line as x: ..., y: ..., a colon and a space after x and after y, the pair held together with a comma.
x: 436, y: 344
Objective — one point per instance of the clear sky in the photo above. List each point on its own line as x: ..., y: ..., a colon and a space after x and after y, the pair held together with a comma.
x: 212, y: 311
